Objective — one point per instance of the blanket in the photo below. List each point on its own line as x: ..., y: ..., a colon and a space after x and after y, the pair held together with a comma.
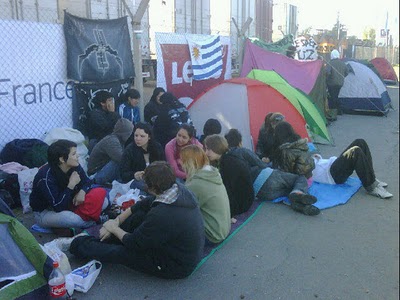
x: 330, y: 195
x: 242, y: 220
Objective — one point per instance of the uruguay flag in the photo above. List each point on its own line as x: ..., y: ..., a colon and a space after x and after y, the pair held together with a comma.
x: 206, y: 56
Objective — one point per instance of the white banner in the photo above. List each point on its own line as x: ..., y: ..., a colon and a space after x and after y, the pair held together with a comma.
x: 306, y: 48
x: 34, y: 94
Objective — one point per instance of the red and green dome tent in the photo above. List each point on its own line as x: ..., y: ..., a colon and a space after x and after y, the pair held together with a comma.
x: 315, y: 119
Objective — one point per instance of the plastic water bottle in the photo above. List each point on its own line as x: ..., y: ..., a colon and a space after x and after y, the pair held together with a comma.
x: 57, y: 283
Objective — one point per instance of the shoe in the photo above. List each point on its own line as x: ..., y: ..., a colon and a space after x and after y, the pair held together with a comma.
x: 64, y: 243
x: 306, y: 209
x: 380, y: 192
x: 111, y: 212
x: 302, y: 198
x: 103, y: 218
x: 381, y: 183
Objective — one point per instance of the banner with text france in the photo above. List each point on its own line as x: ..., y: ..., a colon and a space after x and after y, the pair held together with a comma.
x: 35, y: 95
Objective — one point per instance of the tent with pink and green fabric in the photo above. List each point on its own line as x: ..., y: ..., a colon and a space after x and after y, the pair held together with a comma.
x: 307, y: 76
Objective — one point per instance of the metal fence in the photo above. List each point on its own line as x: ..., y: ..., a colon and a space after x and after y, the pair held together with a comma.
x: 391, y: 53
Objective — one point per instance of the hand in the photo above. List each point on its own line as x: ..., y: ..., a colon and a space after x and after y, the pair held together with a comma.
x: 265, y: 159
x: 111, y: 225
x: 79, y: 198
x: 104, y: 234
x: 139, y: 175
x: 74, y: 179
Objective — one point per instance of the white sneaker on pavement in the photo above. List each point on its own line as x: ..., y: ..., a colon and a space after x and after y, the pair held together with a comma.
x: 380, y: 192
x: 64, y: 243
x: 381, y: 183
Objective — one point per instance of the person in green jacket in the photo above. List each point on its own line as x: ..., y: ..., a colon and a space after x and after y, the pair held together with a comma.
x: 206, y: 183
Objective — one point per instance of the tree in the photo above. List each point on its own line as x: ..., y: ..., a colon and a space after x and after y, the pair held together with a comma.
x: 306, y: 32
x: 369, y: 34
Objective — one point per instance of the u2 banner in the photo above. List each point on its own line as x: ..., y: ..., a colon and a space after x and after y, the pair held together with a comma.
x: 98, y: 50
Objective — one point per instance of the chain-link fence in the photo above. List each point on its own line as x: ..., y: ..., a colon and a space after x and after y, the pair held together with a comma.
x: 35, y: 94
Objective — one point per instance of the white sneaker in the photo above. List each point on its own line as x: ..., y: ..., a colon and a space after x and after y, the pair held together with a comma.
x: 381, y: 183
x: 380, y: 192
x: 65, y: 243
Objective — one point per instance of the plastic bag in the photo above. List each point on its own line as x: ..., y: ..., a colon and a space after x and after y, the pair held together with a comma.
x: 132, y: 194
x: 119, y: 189
x: 52, y: 250
x: 85, y: 276
x: 70, y: 134
x: 25, y: 181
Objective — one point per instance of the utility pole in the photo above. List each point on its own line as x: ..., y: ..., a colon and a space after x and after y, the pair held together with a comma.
x: 241, y: 39
x: 137, y: 55
x: 338, y: 29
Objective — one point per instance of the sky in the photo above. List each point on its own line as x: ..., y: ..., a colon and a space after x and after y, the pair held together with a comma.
x: 354, y: 14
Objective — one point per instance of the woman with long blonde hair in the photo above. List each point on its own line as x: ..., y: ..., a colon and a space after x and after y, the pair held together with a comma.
x: 206, y: 183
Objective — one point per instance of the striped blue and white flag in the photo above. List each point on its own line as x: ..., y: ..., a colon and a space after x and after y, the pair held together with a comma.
x: 206, y: 56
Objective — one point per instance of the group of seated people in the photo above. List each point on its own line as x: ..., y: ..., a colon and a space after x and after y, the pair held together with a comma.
x: 193, y: 190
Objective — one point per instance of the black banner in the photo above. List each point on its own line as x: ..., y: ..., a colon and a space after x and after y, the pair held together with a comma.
x: 98, y: 50
x: 84, y: 93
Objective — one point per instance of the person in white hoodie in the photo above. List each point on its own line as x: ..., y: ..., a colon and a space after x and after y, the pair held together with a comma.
x: 356, y: 157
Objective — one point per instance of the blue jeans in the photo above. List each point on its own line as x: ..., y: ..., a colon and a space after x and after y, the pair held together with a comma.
x: 108, y: 173
x: 141, y: 185
x: 281, y: 184
x: 63, y: 219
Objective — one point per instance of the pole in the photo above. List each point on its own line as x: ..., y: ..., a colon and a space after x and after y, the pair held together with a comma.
x: 137, y: 55
x: 241, y: 39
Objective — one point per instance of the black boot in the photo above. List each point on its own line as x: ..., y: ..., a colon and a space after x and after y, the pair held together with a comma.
x: 306, y: 209
x: 302, y: 198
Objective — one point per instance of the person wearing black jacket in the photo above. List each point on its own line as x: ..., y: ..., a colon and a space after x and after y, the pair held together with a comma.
x: 102, y: 118
x: 235, y: 173
x: 171, y: 116
x: 254, y: 180
x: 163, y: 237
x: 140, y: 153
x: 152, y: 108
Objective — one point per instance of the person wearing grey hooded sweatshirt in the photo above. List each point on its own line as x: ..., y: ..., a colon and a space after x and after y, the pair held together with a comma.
x: 104, y: 161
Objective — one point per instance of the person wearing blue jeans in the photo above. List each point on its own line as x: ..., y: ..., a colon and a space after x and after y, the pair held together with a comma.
x: 105, y: 158
x: 59, y: 187
x: 267, y: 183
x: 63, y: 219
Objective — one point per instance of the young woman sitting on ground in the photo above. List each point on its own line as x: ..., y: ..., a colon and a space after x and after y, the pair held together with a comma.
x: 185, y: 136
x: 140, y: 153
x: 265, y: 143
x: 211, y: 126
x: 61, y: 193
x: 206, y: 183
x: 264, y: 183
x: 235, y: 173
x: 356, y: 157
